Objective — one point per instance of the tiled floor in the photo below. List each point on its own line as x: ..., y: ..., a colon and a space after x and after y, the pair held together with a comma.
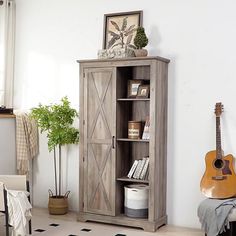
x: 66, y: 225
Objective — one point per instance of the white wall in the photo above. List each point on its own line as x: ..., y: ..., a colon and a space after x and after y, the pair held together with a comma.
x: 7, y: 146
x: 198, y: 36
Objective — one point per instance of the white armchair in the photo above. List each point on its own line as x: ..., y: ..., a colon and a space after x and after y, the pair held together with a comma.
x: 11, y: 182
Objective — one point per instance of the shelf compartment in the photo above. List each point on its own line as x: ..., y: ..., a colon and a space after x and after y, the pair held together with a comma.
x: 126, y: 179
x: 132, y: 140
x: 127, y: 111
x: 127, y: 153
x: 131, y: 73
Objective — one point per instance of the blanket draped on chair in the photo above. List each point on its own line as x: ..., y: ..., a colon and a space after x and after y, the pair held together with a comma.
x: 213, y: 215
x: 27, y: 146
x: 19, y: 211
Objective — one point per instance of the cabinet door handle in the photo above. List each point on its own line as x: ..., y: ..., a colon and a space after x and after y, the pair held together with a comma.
x: 113, y: 142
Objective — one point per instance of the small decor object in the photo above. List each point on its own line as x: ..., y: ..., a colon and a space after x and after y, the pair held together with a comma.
x: 120, y: 29
x: 57, y: 120
x: 146, y: 133
x: 140, y: 41
x: 115, y: 53
x: 143, y: 91
x: 134, y: 129
x: 133, y: 86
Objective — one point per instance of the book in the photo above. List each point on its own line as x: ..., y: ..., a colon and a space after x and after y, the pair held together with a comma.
x: 147, y: 175
x: 146, y: 132
x: 137, y: 169
x: 134, y: 166
x: 145, y: 168
x: 141, y: 168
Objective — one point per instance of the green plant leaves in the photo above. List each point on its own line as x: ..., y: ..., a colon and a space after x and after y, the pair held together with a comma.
x: 57, y: 121
x: 140, y: 39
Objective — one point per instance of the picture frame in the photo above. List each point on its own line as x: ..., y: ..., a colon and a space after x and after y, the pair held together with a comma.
x: 133, y: 86
x: 126, y: 22
x: 143, y: 91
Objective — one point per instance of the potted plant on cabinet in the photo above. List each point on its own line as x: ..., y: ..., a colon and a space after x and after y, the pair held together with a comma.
x: 56, y: 120
x: 140, y: 41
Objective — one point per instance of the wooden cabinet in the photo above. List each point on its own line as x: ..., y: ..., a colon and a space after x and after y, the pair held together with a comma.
x: 106, y: 153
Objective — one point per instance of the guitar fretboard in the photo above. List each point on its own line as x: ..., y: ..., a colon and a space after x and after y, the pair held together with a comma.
x: 218, y: 139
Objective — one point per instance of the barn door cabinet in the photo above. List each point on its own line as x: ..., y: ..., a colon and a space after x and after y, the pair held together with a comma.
x: 106, y: 153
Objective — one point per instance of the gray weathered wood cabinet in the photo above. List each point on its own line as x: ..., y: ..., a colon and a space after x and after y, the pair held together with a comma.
x: 106, y: 153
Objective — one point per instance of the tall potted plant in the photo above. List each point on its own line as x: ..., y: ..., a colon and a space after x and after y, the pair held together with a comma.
x: 140, y: 41
x: 57, y: 120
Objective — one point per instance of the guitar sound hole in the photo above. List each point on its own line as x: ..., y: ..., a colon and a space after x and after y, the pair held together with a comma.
x: 218, y: 164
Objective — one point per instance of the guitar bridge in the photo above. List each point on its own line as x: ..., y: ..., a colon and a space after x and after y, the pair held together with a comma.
x: 219, y: 177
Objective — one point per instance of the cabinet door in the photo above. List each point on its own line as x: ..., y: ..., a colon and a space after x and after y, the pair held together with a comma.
x: 99, y: 138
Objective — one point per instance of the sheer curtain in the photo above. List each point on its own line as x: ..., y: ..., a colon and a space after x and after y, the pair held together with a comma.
x: 7, y: 42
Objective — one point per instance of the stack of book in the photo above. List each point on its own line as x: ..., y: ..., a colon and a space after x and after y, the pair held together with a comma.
x: 139, y: 169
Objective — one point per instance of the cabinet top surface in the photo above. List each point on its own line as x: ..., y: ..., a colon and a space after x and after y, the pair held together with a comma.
x: 125, y: 59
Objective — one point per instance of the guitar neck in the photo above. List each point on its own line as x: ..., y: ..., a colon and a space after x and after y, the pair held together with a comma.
x: 218, y: 138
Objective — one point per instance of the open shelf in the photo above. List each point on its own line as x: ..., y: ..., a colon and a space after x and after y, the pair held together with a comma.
x: 132, y: 140
x: 126, y: 179
x: 132, y: 99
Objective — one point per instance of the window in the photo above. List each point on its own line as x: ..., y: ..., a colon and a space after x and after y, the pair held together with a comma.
x: 7, y: 32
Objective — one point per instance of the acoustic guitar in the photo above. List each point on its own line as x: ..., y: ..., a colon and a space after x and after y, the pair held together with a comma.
x: 219, y: 179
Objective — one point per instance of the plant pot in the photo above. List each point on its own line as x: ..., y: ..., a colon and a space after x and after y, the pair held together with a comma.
x: 141, y: 52
x: 58, y: 205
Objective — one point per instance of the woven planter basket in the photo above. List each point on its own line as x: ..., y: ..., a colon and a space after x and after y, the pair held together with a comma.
x: 58, y: 205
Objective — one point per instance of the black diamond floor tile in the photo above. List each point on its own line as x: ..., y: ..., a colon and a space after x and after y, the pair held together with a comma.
x: 55, y: 225
x: 72, y: 235
x: 86, y: 230
x: 120, y: 235
x: 40, y: 230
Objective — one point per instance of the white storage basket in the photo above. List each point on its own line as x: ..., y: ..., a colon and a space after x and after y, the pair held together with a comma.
x: 136, y: 200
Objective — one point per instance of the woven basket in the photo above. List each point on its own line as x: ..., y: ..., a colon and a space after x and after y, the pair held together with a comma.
x: 58, y: 205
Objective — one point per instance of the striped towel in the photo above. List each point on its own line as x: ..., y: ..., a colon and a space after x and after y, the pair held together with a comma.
x: 27, y: 146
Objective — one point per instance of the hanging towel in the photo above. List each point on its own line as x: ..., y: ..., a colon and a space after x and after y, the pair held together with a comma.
x: 26, y: 142
x: 19, y: 211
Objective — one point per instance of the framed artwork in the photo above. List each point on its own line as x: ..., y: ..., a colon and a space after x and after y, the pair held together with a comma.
x: 120, y: 29
x: 133, y: 86
x: 143, y: 91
